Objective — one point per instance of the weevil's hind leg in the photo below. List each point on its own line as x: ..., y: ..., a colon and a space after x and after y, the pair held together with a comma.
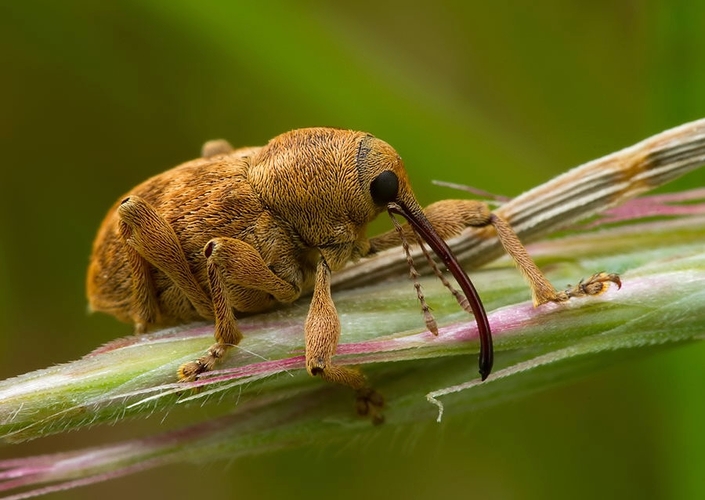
x: 145, y: 307
x: 154, y: 239
x: 234, y: 262
x: 322, y: 331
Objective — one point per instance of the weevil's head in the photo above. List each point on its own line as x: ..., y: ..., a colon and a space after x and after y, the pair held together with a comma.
x: 328, y: 184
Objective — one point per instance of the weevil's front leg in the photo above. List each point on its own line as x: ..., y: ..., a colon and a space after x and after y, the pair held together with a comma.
x: 451, y: 217
x: 541, y: 289
x: 448, y: 217
x: 239, y: 280
x: 145, y: 231
x: 322, y: 331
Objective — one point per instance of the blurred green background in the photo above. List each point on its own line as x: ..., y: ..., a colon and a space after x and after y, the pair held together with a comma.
x: 97, y: 96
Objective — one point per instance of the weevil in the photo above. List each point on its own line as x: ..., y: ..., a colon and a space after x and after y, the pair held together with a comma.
x: 240, y: 230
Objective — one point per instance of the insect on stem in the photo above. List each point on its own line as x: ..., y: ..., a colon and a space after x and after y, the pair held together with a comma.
x: 425, y: 230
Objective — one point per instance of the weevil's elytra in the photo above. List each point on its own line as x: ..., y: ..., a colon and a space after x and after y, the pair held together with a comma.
x: 240, y: 230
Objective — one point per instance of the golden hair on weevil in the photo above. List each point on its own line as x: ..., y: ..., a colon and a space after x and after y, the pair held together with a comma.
x: 240, y: 230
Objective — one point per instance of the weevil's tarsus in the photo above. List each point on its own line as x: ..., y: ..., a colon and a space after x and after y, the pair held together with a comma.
x: 426, y: 231
x: 595, y: 285
x: 369, y: 403
x: 414, y: 275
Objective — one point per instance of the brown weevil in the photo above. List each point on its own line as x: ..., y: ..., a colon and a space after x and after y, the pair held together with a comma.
x: 240, y: 230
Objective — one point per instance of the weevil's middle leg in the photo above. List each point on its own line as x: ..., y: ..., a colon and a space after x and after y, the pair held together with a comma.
x: 322, y: 331
x: 239, y: 280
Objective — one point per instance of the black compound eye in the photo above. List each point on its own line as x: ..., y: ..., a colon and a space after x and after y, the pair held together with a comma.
x: 384, y: 188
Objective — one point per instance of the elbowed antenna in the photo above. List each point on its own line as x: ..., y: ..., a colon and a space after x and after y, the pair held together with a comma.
x: 421, y: 224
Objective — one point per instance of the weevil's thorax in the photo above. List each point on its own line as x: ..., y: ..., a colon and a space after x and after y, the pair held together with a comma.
x: 317, y: 181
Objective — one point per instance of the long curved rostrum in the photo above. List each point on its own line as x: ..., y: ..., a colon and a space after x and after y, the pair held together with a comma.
x: 425, y: 230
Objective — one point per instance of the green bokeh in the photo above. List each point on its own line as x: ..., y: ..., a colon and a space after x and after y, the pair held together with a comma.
x: 96, y: 96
